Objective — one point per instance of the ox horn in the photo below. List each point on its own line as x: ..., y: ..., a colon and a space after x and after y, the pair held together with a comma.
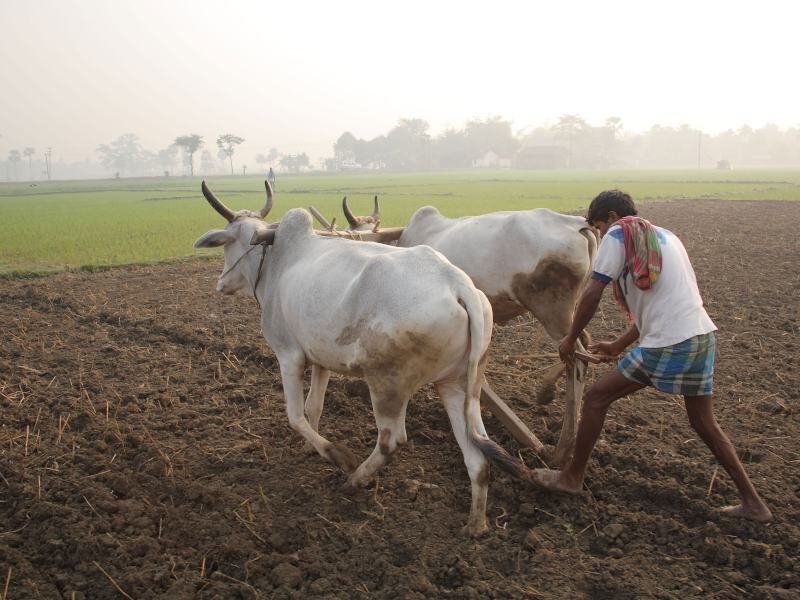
x: 348, y: 215
x: 218, y: 206
x: 376, y: 212
x: 264, y: 236
x: 268, y: 206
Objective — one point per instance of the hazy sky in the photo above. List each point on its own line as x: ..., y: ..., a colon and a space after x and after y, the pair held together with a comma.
x: 296, y: 74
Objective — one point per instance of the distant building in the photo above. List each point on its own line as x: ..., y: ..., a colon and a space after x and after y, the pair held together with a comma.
x: 542, y: 157
x: 492, y: 160
x: 345, y: 160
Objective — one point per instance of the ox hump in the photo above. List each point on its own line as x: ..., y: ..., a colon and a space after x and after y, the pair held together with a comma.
x: 425, y: 212
x: 296, y: 222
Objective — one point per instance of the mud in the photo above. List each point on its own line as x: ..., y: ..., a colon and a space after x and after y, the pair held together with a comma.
x: 145, y: 452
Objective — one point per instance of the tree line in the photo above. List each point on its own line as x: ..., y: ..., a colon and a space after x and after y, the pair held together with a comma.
x: 569, y: 143
x: 126, y: 156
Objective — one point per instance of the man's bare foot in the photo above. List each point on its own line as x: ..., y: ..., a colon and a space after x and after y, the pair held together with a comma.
x: 553, y: 481
x: 740, y: 511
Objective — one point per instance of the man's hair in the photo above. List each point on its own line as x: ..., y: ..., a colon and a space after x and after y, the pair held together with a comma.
x: 610, y: 200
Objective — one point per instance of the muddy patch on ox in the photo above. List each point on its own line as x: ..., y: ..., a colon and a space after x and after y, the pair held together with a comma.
x: 145, y: 443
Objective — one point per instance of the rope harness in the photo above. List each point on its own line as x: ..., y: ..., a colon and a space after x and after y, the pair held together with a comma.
x: 258, y: 274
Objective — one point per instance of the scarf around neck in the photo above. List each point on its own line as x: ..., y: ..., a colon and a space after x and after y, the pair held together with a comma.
x: 642, y: 256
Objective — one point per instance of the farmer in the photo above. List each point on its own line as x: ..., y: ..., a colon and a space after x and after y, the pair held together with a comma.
x: 655, y: 283
x: 271, y: 178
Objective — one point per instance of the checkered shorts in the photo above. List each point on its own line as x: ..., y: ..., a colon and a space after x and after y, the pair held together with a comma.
x: 686, y: 368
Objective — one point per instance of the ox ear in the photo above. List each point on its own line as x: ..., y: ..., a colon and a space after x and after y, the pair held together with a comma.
x: 214, y: 238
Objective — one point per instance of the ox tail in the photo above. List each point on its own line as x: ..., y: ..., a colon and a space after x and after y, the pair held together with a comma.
x: 479, y: 312
x: 593, y: 238
x: 593, y: 241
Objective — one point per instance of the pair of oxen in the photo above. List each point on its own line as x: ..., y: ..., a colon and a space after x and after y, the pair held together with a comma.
x: 404, y: 315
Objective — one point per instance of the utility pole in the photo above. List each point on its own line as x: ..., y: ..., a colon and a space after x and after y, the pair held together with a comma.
x: 48, y: 154
x: 699, y: 146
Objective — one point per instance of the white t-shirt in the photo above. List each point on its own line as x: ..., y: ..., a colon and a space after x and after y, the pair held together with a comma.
x: 671, y: 311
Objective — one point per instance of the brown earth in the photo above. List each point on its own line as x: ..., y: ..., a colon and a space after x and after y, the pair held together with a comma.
x: 145, y: 452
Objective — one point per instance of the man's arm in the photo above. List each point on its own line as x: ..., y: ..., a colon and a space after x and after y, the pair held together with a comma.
x: 613, y: 348
x: 587, y: 306
x: 627, y: 338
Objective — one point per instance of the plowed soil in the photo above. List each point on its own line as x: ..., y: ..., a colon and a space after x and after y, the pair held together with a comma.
x: 145, y: 451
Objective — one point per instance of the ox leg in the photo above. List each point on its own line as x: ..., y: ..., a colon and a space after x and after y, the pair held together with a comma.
x: 316, y: 399
x: 390, y: 417
x: 454, y: 398
x: 555, y: 317
x: 316, y: 395
x: 292, y: 379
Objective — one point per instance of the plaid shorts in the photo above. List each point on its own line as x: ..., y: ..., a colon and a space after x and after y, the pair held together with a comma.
x: 685, y: 368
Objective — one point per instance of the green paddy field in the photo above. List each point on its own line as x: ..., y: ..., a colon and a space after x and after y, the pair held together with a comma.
x: 95, y: 224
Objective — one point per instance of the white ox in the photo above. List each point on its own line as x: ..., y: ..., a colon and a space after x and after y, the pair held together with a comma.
x: 397, y: 317
x: 524, y: 261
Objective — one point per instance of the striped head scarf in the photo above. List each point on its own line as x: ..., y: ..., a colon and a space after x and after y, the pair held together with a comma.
x: 642, y: 256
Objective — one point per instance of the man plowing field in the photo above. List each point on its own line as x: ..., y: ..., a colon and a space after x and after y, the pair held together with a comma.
x: 655, y: 283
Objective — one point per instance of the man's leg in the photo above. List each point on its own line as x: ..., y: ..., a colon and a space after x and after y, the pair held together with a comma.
x: 701, y: 416
x: 596, y: 401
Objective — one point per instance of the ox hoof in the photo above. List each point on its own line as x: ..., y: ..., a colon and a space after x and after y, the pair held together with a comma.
x: 308, y: 448
x: 758, y: 513
x: 342, y: 457
x: 476, y: 528
x: 354, y: 483
x: 546, y: 395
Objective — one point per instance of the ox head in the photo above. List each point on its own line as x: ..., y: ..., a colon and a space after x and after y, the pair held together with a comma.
x: 359, y: 228
x: 361, y: 223
x: 243, y: 227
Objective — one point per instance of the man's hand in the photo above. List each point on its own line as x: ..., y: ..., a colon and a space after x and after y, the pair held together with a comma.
x: 566, y: 350
x: 607, y: 351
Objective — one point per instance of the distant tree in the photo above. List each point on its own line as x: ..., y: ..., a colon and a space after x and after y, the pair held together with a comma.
x: 147, y: 162
x: 14, y: 157
x: 190, y: 143
x: 122, y: 155
x: 346, y: 143
x: 227, y: 143
x: 167, y: 156
x: 287, y: 162
x: 294, y: 162
x: 375, y: 152
x: 610, y: 139
x: 492, y: 135
x: 270, y: 158
x: 344, y: 150
x: 207, y: 164
x: 408, y: 145
x: 29, y: 152
x: 450, y: 149
x: 568, y: 127
x: 614, y: 124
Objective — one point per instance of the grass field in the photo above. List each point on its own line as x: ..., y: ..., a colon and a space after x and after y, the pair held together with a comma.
x: 58, y: 225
